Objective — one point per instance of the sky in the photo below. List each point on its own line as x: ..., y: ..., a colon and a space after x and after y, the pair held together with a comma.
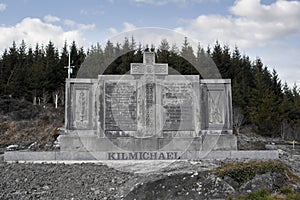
x: 268, y: 29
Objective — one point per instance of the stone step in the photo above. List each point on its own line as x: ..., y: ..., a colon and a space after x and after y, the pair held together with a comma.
x: 137, y: 155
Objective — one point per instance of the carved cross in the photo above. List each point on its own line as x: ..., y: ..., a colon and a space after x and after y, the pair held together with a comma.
x: 148, y: 71
x: 148, y: 66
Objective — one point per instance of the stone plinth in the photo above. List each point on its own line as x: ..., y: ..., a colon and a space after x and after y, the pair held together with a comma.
x: 84, y: 156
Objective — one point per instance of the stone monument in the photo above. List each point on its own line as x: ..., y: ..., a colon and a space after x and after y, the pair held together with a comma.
x: 148, y: 114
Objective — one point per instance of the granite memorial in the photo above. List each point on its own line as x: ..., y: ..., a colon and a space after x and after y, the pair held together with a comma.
x: 147, y: 114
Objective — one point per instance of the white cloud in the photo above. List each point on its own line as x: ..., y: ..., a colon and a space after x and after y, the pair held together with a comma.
x: 86, y: 27
x: 50, y: 18
x: 254, y: 9
x: 251, y: 24
x: 2, y: 7
x: 34, y: 30
x: 112, y: 31
x: 82, y: 27
x: 95, y: 12
x: 69, y: 22
x: 126, y: 27
x: 256, y: 28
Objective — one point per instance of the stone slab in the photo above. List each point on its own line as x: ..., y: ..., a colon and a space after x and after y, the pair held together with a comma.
x: 199, y: 155
x: 255, y: 154
x: 121, y: 155
x: 27, y: 155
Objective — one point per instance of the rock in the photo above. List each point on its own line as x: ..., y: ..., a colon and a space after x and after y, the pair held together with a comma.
x: 268, y: 181
x: 264, y: 181
x: 32, y: 145
x: 12, y: 147
x: 201, y: 185
x: 231, y: 182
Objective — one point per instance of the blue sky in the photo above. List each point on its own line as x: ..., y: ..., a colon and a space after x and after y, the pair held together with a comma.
x: 269, y: 29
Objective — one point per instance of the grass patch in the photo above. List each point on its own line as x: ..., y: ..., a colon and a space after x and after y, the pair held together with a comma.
x: 293, y: 196
x: 265, y: 195
x: 243, y: 172
x: 286, y: 190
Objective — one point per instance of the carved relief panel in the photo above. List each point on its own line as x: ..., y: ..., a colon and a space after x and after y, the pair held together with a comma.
x: 81, y: 106
x: 216, y: 105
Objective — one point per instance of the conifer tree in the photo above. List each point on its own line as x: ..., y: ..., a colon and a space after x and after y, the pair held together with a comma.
x: 138, y: 56
x: 12, y: 64
x: 187, y: 59
x: 263, y: 106
x: 163, y: 52
x: 54, y: 72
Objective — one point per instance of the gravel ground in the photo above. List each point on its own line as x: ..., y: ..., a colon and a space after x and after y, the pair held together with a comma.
x: 178, y: 180
x: 61, y: 181
x: 88, y: 180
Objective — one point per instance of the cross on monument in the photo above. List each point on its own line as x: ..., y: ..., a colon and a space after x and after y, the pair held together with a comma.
x: 148, y: 71
x: 148, y: 66
x: 69, y: 67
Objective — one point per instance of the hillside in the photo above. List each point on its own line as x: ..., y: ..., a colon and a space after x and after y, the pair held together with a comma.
x: 26, y: 126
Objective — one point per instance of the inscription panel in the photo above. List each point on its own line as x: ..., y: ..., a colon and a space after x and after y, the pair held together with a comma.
x: 137, y: 68
x: 150, y: 88
x: 161, y: 69
x: 158, y: 69
x: 216, y: 107
x: 120, y: 106
x: 177, y: 101
x: 149, y: 109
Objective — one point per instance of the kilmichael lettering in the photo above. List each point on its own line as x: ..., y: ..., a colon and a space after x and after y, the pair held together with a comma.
x: 144, y: 155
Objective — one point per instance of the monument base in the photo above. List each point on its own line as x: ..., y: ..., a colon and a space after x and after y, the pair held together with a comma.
x: 86, y: 142
x: 75, y: 156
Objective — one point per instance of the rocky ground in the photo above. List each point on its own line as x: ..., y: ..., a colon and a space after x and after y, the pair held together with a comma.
x: 24, y: 126
x: 179, y: 180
